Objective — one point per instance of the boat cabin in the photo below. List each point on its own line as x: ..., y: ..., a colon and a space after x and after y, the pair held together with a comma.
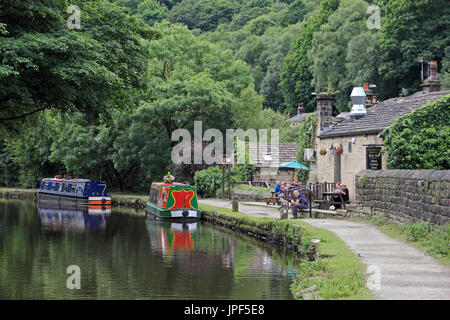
x: 74, y: 187
x: 173, y: 196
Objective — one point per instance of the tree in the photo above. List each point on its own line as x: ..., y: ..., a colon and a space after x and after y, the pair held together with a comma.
x: 295, y: 13
x: 45, y: 65
x: 296, y: 77
x: 339, y: 49
x: 151, y: 11
x: 411, y: 30
x: 203, y: 14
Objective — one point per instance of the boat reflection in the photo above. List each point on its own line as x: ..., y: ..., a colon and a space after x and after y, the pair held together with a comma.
x: 172, y: 237
x: 71, y: 219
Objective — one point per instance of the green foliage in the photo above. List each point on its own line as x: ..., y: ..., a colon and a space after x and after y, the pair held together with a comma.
x: 411, y: 30
x: 203, y: 14
x: 205, y: 179
x: 420, y: 139
x: 151, y: 11
x: 296, y: 77
x: 339, y: 51
x: 435, y: 238
x: 295, y: 13
x: 45, y: 65
x: 307, y: 134
x: 418, y: 231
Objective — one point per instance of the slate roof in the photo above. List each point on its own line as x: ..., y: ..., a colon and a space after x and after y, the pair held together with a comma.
x: 381, y: 115
x: 286, y: 152
x: 298, y: 118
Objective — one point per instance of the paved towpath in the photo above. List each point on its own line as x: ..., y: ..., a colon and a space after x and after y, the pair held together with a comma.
x: 253, y: 209
x: 406, y: 272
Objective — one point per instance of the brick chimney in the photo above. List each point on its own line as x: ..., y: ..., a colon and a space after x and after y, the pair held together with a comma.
x: 325, y: 110
x: 432, y: 83
x: 371, y: 99
x: 300, y: 108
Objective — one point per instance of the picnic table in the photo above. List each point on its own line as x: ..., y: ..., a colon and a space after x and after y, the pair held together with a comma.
x: 328, y: 197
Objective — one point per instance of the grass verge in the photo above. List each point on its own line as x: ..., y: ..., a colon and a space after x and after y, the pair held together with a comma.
x: 337, y: 274
x: 425, y: 236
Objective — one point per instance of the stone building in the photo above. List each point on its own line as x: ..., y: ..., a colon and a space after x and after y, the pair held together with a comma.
x: 354, y: 143
x: 267, y: 161
x: 300, y: 117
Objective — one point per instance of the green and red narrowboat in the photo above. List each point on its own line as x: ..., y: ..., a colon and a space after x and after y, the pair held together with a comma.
x: 173, y: 201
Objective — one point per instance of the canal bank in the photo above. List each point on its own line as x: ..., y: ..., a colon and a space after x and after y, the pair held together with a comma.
x: 337, y: 273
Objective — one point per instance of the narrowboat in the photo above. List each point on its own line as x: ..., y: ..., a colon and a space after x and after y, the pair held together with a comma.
x: 75, y: 193
x: 173, y: 201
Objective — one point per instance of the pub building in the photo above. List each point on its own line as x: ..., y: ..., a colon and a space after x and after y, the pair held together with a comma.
x: 352, y: 142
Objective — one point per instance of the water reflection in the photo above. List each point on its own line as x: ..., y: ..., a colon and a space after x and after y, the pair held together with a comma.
x: 171, y: 236
x: 77, y: 220
x: 124, y: 256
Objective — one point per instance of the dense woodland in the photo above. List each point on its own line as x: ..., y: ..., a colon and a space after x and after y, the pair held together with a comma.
x: 103, y: 101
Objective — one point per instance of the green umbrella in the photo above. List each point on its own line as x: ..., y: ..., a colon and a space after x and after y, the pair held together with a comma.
x: 295, y: 165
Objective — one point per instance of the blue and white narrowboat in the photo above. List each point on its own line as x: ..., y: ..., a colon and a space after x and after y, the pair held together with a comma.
x: 75, y: 192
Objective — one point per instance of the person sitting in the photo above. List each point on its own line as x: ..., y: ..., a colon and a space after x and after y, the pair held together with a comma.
x: 284, y: 188
x: 278, y: 190
x: 342, y: 189
x: 299, y: 201
x: 345, y: 190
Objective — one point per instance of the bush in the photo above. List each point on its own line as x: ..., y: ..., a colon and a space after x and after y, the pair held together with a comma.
x: 204, y: 181
x: 419, y: 231
x: 204, y: 184
x: 420, y: 139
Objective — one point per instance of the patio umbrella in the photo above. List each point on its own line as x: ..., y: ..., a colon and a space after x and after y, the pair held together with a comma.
x: 295, y: 165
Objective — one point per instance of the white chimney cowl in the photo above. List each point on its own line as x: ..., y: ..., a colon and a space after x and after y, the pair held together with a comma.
x: 358, y: 97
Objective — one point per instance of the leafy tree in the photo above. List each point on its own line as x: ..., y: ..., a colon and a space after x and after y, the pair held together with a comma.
x: 295, y: 13
x: 259, y: 25
x: 26, y: 150
x: 420, y: 139
x: 445, y: 75
x: 151, y: 11
x: 203, y: 14
x: 411, y: 29
x: 193, y: 80
x: 45, y: 65
x: 296, y: 77
x: 330, y: 51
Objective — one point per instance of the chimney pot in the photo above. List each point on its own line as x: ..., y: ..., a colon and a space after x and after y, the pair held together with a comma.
x: 366, y: 86
x: 432, y: 83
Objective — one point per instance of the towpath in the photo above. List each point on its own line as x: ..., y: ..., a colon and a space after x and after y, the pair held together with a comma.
x: 405, y: 272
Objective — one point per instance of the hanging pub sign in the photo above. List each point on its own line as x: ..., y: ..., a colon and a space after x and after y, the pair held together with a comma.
x: 373, y: 158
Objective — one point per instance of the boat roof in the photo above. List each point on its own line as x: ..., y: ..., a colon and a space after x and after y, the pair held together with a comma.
x: 174, y: 184
x: 68, y: 180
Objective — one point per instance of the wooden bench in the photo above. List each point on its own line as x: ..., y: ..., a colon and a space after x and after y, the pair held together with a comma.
x: 273, y: 200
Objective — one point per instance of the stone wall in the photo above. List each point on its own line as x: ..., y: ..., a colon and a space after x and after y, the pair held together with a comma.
x: 403, y: 195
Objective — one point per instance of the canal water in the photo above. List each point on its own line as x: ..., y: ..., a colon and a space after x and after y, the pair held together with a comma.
x: 122, y: 255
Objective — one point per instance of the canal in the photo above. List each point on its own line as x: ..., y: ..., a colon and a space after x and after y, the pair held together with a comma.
x: 122, y: 255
